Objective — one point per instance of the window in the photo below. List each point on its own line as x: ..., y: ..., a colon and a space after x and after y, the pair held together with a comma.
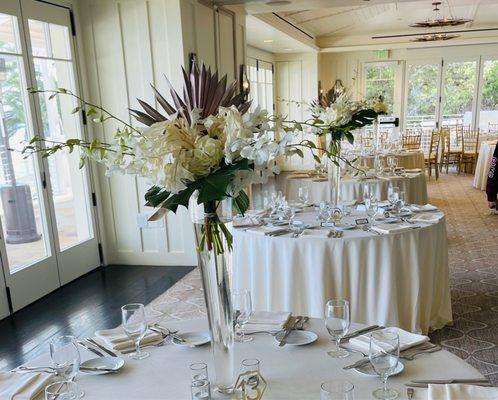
x: 380, y: 80
x: 488, y: 117
x: 260, y: 74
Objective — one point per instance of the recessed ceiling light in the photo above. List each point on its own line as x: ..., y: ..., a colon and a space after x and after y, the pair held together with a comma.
x: 278, y: 2
x: 268, y: 41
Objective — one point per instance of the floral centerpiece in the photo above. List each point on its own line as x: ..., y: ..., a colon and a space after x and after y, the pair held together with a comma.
x: 201, y: 149
x: 336, y: 121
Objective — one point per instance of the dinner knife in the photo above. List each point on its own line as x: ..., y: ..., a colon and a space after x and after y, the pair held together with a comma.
x: 426, y: 385
x: 448, y: 381
x: 105, y: 349
x: 361, y: 331
x: 290, y: 324
x: 94, y: 351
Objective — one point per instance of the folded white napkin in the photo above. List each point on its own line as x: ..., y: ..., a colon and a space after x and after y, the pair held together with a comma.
x: 391, y: 228
x: 17, y: 386
x: 254, y: 213
x: 461, y: 392
x: 266, y: 321
x: 431, y: 218
x: 406, y: 340
x: 240, y: 222
x: 421, y: 208
x: 118, y: 340
x: 263, y: 230
x: 317, y: 233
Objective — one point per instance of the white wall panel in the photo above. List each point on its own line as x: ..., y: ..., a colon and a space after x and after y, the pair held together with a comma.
x: 129, y: 44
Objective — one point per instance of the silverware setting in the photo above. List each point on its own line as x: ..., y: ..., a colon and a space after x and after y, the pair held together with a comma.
x: 425, y: 383
x: 366, y: 228
x: 297, y: 326
x: 90, y: 348
x: 280, y: 232
x: 407, y: 354
x: 361, y: 331
x: 101, y: 347
x: 290, y: 326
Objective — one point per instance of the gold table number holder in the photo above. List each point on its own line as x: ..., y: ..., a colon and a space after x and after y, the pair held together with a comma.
x: 250, y: 386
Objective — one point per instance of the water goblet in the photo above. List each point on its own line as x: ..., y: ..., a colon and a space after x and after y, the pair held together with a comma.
x: 323, y: 213
x: 66, y: 390
x: 371, y: 208
x: 242, y: 307
x: 303, y: 194
x: 296, y: 227
x: 392, y: 194
x: 135, y: 326
x: 337, y: 390
x: 366, y: 191
x: 337, y: 321
x: 384, y: 356
x: 66, y: 360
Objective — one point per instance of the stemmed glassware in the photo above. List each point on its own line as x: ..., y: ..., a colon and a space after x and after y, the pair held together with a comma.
x: 337, y: 321
x: 323, y: 212
x: 392, y: 194
x: 371, y: 207
x: 303, y: 194
x: 242, y: 308
x: 135, y: 326
x: 66, y: 362
x: 61, y: 391
x: 296, y: 227
x: 384, y: 355
x: 337, y: 390
x: 392, y: 163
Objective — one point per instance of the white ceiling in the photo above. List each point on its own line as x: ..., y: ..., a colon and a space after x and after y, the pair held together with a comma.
x: 353, y: 22
x: 259, y: 34
x: 375, y: 19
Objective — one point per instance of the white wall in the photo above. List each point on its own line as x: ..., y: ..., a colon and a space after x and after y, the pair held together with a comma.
x: 129, y: 44
x: 259, y: 54
x: 296, y: 77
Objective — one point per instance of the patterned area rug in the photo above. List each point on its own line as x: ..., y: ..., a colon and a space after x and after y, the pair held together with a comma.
x: 473, y: 257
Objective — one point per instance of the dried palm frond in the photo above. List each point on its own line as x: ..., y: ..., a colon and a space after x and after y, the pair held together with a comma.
x: 202, y: 91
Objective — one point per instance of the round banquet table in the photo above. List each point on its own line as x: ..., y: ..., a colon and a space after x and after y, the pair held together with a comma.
x: 483, y: 163
x: 406, y: 159
x: 398, y: 279
x: 292, y: 372
x: 414, y: 186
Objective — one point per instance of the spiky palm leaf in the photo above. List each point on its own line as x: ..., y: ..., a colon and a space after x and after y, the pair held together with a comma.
x: 202, y: 90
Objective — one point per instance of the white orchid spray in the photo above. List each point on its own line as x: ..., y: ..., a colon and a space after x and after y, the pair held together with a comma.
x: 206, y: 143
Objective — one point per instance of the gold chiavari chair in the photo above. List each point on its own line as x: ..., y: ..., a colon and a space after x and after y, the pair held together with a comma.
x: 452, y: 147
x: 432, y: 157
x: 412, y: 139
x: 470, y: 149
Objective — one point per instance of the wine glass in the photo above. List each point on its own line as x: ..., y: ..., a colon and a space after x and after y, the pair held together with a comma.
x: 66, y: 360
x: 135, y: 326
x: 323, y: 213
x: 242, y: 308
x: 337, y: 322
x: 384, y: 355
x: 392, y: 194
x: 303, y: 194
x: 371, y: 207
x: 296, y: 227
x: 61, y: 391
x: 337, y: 390
x: 366, y: 191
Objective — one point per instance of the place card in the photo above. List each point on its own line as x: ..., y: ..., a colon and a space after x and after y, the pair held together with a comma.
x: 361, y: 221
x: 250, y: 385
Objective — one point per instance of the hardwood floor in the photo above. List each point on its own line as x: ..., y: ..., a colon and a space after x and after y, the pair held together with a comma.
x: 80, y: 308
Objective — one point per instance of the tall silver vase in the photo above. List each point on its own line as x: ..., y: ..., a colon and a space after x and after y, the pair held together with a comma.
x: 215, y: 271
x: 334, y: 180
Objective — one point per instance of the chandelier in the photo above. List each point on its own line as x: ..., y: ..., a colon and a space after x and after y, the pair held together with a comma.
x: 439, y: 21
x: 434, y: 37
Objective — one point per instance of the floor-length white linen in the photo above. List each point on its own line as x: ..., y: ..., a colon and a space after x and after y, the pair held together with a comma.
x: 483, y: 163
x: 406, y: 159
x: 399, y: 279
x: 414, y: 186
x: 292, y: 373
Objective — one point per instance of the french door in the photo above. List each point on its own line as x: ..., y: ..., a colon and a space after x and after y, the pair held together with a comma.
x: 46, y: 212
x: 441, y: 92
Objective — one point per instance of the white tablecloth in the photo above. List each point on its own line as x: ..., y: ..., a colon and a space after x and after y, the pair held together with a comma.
x: 406, y: 159
x: 292, y: 373
x: 483, y: 163
x: 414, y: 186
x: 399, y: 279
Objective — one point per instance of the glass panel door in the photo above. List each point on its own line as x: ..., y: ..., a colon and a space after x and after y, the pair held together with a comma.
x: 422, y: 98
x: 27, y: 251
x: 488, y: 116
x: 458, y: 93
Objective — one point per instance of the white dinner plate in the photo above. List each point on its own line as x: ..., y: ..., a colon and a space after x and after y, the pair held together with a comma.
x: 367, y: 369
x: 192, y: 339
x: 298, y: 338
x: 112, y: 363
